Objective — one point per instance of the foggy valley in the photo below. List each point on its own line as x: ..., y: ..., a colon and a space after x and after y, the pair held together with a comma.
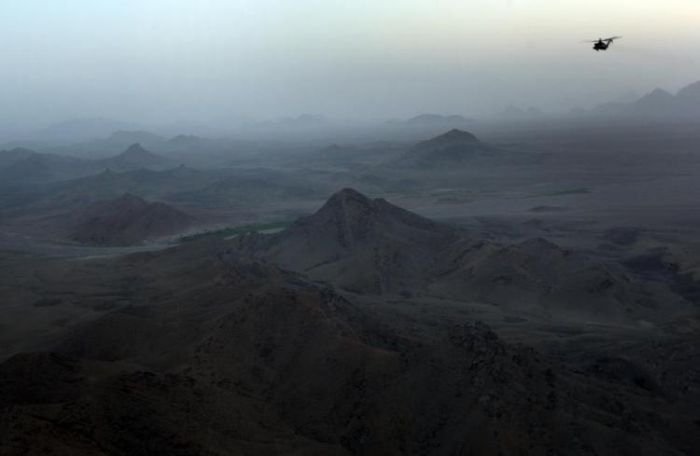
x: 511, y: 280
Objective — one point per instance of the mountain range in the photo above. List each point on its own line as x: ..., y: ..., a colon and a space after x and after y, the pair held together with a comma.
x: 371, y: 246
x: 359, y: 329
x: 23, y: 166
x: 659, y: 103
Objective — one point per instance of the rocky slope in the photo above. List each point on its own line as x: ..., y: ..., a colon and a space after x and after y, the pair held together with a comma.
x: 220, y: 356
x: 358, y: 243
x: 371, y: 246
x: 128, y: 220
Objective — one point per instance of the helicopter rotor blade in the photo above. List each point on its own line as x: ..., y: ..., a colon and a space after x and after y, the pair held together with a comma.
x: 609, y: 40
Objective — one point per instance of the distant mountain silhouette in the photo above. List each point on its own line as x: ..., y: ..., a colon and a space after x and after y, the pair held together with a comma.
x: 451, y: 148
x: 301, y: 122
x: 126, y: 138
x: 436, y: 119
x: 8, y: 157
x: 136, y: 157
x: 84, y: 129
x: 305, y: 120
x: 109, y: 184
x: 690, y: 93
x: 35, y: 168
x: 515, y: 112
x: 658, y: 103
x: 430, y: 123
x: 185, y: 141
x: 128, y: 220
x: 452, y: 137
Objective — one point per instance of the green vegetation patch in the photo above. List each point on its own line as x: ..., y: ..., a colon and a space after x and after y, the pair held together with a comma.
x: 572, y: 191
x: 238, y: 230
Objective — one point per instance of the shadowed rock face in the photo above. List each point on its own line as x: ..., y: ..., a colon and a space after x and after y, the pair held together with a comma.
x: 208, y: 350
x: 359, y: 243
x: 354, y: 219
x: 371, y: 246
x: 254, y: 360
x: 128, y: 220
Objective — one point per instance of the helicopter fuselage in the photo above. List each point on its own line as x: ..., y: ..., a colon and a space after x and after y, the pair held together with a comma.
x: 602, y: 45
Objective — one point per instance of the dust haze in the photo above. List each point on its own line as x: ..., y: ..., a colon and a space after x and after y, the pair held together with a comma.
x: 336, y: 228
x: 224, y: 63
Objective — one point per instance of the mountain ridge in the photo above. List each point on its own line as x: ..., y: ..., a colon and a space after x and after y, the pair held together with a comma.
x: 128, y: 220
x: 372, y: 246
x: 658, y: 103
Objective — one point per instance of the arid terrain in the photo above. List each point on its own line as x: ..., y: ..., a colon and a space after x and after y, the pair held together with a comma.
x: 480, y: 288
x: 350, y: 228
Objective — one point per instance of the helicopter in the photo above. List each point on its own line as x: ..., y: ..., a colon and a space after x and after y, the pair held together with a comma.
x: 603, y: 44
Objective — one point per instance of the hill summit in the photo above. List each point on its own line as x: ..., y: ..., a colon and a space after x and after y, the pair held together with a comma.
x: 134, y: 157
x: 136, y: 152
x: 350, y: 218
x: 454, y: 136
x: 128, y: 220
x: 448, y: 149
x: 367, y: 244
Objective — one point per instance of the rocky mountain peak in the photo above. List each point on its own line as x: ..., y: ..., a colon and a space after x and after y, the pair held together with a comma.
x: 454, y: 136
x: 128, y: 220
x: 135, y: 150
x: 347, y: 197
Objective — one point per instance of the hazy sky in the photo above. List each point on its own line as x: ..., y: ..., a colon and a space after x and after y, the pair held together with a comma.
x: 213, y: 60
